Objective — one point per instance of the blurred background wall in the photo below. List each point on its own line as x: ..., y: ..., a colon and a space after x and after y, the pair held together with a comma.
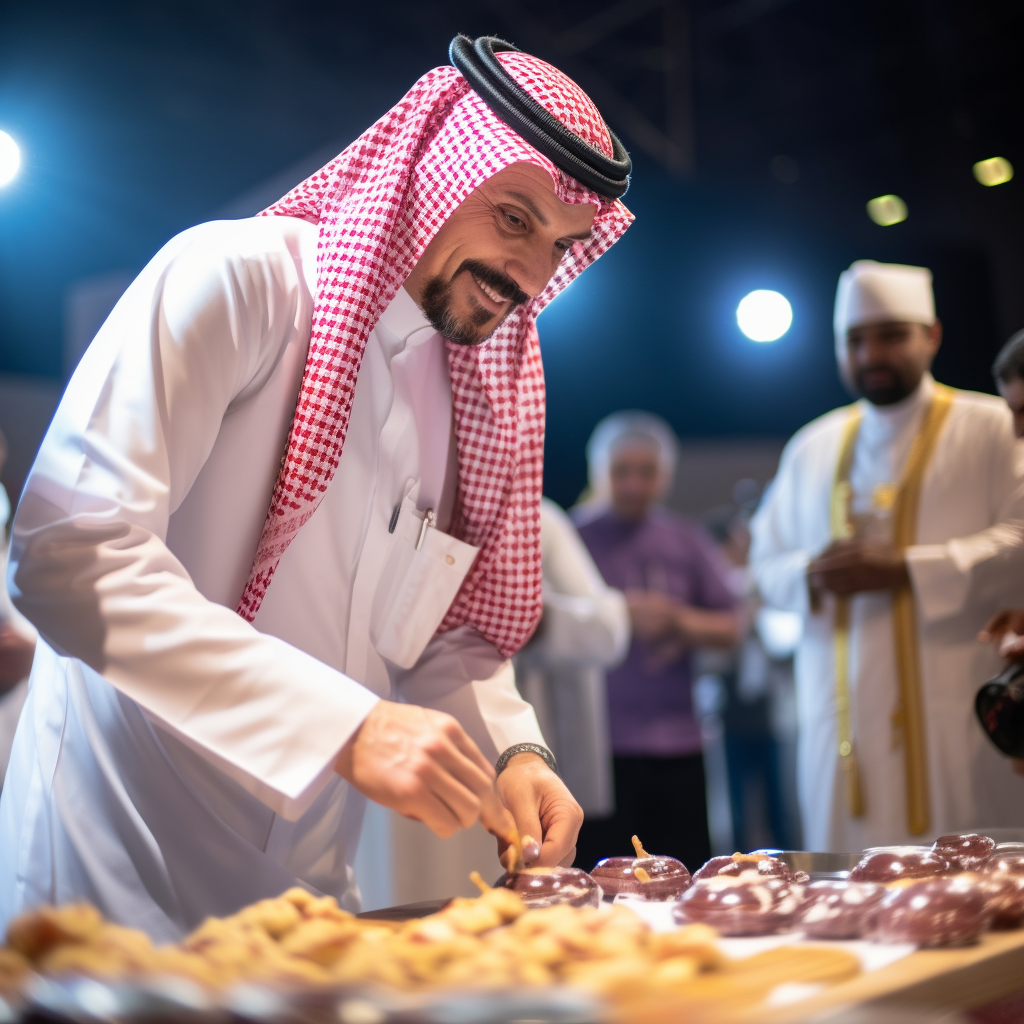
x: 759, y: 128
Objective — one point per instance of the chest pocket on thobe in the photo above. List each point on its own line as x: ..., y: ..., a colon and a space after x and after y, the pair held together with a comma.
x: 420, y: 580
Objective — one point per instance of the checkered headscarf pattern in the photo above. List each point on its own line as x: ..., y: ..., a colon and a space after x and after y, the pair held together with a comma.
x: 378, y: 204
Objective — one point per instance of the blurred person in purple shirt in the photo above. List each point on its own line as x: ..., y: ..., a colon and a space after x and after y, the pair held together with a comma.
x: 679, y: 599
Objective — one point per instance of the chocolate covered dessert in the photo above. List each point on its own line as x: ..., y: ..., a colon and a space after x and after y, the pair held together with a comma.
x: 950, y: 911
x: 839, y: 910
x: 745, y: 904
x: 967, y: 851
x: 650, y: 877
x: 544, y: 887
x: 887, y: 864
x: 1003, y: 862
x: 763, y: 864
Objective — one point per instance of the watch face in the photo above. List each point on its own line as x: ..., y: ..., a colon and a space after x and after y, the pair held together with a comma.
x: 1000, y: 709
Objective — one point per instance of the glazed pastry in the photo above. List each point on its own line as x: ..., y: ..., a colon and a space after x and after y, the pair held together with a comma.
x: 1004, y: 894
x: 653, y: 878
x: 966, y: 851
x: 839, y: 910
x: 887, y: 864
x: 745, y: 904
x: 765, y: 865
x: 1003, y: 862
x: 949, y: 911
x: 544, y: 887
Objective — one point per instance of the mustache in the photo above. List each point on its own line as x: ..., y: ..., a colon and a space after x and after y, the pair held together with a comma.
x: 865, y: 370
x: 501, y: 283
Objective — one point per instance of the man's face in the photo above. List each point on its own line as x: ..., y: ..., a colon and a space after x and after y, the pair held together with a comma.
x: 499, y: 249
x: 1012, y: 391
x: 637, y: 481
x: 884, y: 363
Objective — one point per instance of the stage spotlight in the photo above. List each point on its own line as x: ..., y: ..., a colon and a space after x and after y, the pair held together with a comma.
x: 764, y: 315
x: 996, y: 170
x: 10, y: 158
x: 887, y: 210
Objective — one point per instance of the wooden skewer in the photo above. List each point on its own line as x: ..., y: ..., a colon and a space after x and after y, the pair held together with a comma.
x: 474, y: 877
x: 638, y: 846
x: 513, y: 856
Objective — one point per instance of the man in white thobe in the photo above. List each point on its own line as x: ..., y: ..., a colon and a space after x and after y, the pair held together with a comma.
x: 176, y: 759
x: 905, y: 508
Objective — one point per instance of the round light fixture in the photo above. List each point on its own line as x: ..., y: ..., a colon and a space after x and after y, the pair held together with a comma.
x: 887, y: 210
x: 764, y: 315
x: 997, y: 170
x: 10, y: 158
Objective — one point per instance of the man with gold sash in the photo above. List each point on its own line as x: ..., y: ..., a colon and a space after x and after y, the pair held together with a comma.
x: 896, y: 527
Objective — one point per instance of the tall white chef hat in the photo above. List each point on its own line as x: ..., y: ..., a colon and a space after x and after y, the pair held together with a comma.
x: 875, y: 293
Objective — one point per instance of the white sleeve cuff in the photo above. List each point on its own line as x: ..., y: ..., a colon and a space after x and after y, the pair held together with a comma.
x: 509, y: 718
x: 283, y: 755
x: 940, y: 587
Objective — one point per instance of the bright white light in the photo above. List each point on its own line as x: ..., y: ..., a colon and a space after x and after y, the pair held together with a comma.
x: 764, y: 315
x: 10, y: 158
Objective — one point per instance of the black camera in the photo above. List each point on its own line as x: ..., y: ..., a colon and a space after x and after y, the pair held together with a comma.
x: 1000, y: 709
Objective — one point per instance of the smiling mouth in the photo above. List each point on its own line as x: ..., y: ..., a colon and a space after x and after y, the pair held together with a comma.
x: 495, y: 296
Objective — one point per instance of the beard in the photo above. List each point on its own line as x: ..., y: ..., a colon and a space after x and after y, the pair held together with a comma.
x: 888, y: 387
x: 437, y: 303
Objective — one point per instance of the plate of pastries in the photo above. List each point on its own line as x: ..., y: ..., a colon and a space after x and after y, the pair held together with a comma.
x: 632, y: 930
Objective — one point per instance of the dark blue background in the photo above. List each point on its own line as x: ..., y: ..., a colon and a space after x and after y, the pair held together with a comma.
x: 137, y: 121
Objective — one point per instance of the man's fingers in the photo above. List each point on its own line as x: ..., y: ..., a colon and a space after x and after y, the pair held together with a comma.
x: 1011, y: 646
x: 461, y: 741
x: 524, y: 811
x: 497, y: 819
x: 531, y: 848
x: 995, y: 626
x: 434, y: 813
x: 463, y: 803
x: 563, y: 822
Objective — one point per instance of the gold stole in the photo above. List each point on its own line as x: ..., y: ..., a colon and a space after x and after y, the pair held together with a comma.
x: 909, y: 717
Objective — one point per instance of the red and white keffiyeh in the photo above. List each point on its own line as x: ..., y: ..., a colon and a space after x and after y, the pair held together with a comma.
x: 378, y: 204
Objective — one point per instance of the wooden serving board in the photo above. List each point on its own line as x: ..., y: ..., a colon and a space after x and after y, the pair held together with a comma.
x: 947, y: 979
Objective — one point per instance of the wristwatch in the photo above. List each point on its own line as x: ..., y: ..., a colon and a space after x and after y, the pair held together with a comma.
x: 526, y: 748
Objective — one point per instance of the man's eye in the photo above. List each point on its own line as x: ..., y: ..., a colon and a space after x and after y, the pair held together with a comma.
x: 514, y: 220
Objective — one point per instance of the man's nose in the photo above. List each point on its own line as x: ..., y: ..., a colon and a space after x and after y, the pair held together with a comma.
x: 531, y: 270
x: 871, y: 353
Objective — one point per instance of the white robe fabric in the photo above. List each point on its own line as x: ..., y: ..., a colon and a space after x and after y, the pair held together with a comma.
x: 172, y: 760
x: 561, y: 672
x: 13, y: 700
x: 967, y: 563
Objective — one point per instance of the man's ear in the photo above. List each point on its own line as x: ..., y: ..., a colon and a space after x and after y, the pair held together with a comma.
x: 935, y: 331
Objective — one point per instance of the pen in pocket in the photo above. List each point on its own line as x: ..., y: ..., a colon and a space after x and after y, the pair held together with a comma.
x: 429, y: 519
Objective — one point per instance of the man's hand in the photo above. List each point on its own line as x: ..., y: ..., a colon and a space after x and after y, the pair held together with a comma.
x: 422, y: 764
x: 542, y: 808
x: 654, y: 615
x: 1006, y: 629
x: 856, y: 566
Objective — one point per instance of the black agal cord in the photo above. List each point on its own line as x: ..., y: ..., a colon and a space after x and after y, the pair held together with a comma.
x: 607, y: 176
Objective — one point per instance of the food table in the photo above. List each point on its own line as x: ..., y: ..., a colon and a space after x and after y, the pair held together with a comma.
x: 944, y: 980
x: 499, y: 959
